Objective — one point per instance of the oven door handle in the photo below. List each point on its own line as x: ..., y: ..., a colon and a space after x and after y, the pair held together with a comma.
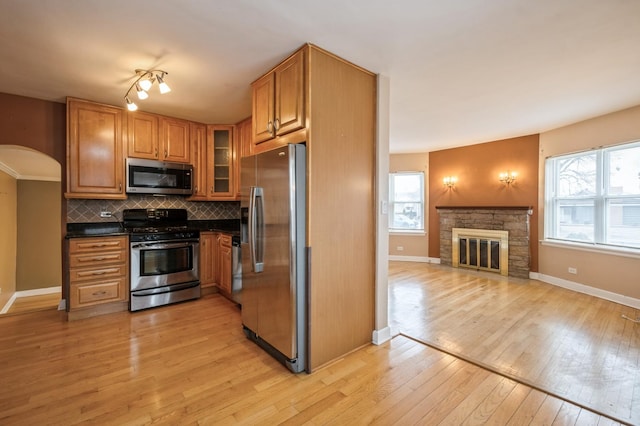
x: 164, y: 289
x: 256, y: 229
x: 162, y: 245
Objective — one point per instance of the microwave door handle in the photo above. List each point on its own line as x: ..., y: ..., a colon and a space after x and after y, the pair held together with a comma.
x: 256, y: 229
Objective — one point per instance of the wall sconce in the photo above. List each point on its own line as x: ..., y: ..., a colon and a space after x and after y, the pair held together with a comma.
x: 143, y: 83
x: 508, y: 177
x: 449, y: 181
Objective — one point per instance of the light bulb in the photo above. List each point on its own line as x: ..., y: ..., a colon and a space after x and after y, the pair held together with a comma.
x: 130, y: 105
x: 164, y: 87
x: 141, y: 93
x: 146, y: 84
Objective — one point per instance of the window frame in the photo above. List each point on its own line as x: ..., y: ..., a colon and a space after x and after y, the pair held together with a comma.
x: 393, y: 202
x: 601, y: 199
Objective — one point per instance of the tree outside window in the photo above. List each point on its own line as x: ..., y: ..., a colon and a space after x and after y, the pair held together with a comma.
x: 406, y: 192
x: 594, y: 197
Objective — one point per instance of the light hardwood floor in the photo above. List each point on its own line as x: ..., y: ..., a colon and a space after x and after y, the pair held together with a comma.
x: 569, y: 344
x: 27, y: 304
x: 191, y: 364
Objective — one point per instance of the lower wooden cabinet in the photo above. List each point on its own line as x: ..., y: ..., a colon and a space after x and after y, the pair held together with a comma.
x: 98, y: 275
x: 224, y: 263
x: 215, y: 261
x: 208, y: 246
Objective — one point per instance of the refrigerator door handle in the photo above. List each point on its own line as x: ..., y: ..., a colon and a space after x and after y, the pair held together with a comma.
x: 256, y: 229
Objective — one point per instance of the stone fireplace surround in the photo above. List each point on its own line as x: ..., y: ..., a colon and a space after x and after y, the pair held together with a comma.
x: 515, y: 220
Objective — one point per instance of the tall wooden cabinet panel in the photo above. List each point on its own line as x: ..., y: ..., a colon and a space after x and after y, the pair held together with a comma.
x: 143, y: 135
x: 224, y: 263
x: 198, y: 135
x: 174, y: 140
x: 95, y: 162
x: 278, y: 100
x: 339, y: 101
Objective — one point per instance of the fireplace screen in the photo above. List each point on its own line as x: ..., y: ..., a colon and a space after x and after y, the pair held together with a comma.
x: 480, y: 253
x: 481, y: 249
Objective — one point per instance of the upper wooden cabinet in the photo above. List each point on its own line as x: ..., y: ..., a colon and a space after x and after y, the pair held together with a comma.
x: 174, y: 140
x: 158, y: 138
x: 143, y: 135
x: 198, y: 135
x: 95, y: 161
x: 278, y: 100
x: 221, y: 163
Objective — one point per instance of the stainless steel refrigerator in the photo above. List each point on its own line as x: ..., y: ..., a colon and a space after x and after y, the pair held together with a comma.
x: 273, y: 203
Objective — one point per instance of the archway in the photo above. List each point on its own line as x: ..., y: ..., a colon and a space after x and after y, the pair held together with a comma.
x: 30, y: 217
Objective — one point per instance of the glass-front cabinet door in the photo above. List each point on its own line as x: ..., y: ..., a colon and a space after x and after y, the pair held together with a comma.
x: 221, y: 162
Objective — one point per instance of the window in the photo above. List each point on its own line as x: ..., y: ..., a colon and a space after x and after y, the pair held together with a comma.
x: 406, y: 192
x: 594, y: 197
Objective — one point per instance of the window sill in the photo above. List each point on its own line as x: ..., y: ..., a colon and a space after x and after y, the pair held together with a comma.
x: 593, y: 248
x: 408, y: 233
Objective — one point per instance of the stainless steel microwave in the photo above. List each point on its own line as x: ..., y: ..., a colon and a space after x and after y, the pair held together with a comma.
x: 158, y: 177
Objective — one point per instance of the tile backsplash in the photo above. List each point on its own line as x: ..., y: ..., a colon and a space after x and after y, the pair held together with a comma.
x: 88, y: 211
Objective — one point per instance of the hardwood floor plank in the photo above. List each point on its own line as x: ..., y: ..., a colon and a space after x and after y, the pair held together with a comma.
x: 191, y: 364
x: 570, y: 344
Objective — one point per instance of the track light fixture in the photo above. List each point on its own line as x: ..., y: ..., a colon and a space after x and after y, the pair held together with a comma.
x: 143, y: 83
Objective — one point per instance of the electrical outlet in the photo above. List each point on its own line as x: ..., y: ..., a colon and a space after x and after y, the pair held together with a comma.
x: 105, y: 214
x: 573, y: 270
x: 399, y: 248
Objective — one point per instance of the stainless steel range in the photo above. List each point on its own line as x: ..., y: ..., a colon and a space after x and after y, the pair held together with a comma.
x: 164, y: 257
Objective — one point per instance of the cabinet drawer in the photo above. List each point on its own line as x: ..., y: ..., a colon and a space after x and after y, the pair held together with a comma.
x: 79, y: 260
x: 100, y: 292
x: 89, y: 245
x: 98, y: 273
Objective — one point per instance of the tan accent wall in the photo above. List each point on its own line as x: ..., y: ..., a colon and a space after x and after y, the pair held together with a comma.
x: 608, y: 272
x: 39, y: 257
x: 8, y: 217
x: 412, y: 245
x: 477, y: 168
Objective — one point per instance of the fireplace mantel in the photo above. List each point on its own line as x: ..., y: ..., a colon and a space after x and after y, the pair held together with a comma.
x: 529, y: 209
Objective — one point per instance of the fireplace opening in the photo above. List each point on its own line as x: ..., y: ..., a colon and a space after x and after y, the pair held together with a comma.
x: 481, y: 249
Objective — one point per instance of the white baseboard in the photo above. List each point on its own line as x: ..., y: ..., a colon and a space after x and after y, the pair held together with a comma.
x: 38, y: 291
x: 381, y: 336
x: 592, y: 291
x: 422, y: 259
x: 27, y: 293
x: 7, y: 305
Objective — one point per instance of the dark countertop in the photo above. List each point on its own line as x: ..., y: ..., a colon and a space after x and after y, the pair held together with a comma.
x: 106, y: 229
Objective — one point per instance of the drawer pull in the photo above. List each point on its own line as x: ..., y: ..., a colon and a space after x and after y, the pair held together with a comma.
x: 100, y: 272
x: 99, y: 293
x: 97, y: 258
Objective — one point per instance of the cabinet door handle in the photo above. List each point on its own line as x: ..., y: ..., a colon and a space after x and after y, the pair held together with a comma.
x: 165, y: 153
x: 155, y: 153
x: 269, y: 127
x: 120, y: 187
x: 276, y: 125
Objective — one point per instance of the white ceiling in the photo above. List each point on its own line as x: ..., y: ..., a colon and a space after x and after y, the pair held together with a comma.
x: 460, y: 71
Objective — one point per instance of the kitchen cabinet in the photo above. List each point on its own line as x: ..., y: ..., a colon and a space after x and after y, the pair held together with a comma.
x: 156, y: 137
x: 340, y: 134
x: 278, y: 100
x: 174, y: 140
x: 142, y: 131
x: 221, y: 163
x: 98, y: 276
x: 95, y: 162
x: 224, y: 263
x: 244, y: 144
x: 208, y: 250
x: 198, y: 135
